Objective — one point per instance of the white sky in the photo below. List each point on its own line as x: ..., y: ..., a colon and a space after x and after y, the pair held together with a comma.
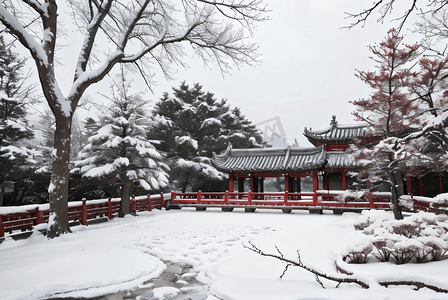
x: 307, y: 70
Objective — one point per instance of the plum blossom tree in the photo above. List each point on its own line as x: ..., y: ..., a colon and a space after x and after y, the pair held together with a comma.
x: 142, y: 34
x: 391, y: 113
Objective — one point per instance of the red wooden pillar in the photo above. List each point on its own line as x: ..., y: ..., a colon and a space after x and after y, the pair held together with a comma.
x: 133, y: 205
x: 315, y: 185
x: 251, y: 183
x: 2, y: 229
x: 109, y: 208
x: 409, y: 185
x: 231, y: 187
x: 149, y: 202
x: 371, y: 205
x: 162, y: 201
x: 286, y: 183
x: 344, y: 181
x: 39, y: 216
x: 84, y: 212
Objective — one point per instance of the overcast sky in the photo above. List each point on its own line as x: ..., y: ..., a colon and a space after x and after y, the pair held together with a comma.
x: 307, y: 70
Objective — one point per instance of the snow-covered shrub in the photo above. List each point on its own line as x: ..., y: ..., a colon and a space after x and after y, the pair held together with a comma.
x: 408, y: 229
x: 440, y: 204
x: 358, y: 252
x: 382, y: 246
x: 352, y: 196
x: 371, y: 217
x: 423, y: 236
x: 437, y: 247
x: 404, y: 250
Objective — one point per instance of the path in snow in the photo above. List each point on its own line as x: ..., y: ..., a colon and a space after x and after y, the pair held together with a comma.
x: 177, y: 282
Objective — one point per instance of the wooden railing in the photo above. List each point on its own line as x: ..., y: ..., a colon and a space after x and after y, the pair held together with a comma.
x: 323, y: 199
x: 25, y: 218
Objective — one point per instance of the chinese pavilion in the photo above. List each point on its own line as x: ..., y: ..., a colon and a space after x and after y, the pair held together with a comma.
x: 328, y: 163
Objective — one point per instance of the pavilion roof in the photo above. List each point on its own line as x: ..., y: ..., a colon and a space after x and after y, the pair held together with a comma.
x: 270, y: 160
x: 281, y: 160
x: 335, y: 133
x: 340, y: 160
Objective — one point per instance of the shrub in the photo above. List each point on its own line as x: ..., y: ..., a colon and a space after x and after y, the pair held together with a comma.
x: 440, y: 204
x: 358, y: 252
x: 437, y: 247
x: 404, y: 250
x: 382, y: 246
x: 408, y: 228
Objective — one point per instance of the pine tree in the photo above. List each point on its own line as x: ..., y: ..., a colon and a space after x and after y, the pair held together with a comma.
x: 119, y: 152
x: 391, y: 113
x: 14, y: 127
x: 192, y: 125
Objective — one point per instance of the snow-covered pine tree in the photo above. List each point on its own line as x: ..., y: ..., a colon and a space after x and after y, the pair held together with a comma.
x: 391, y: 113
x: 119, y: 152
x: 192, y: 125
x: 14, y: 129
x: 429, y: 87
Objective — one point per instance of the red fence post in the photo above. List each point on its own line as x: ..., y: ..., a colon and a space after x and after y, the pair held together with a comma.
x: 84, y: 212
x: 2, y: 229
x: 286, y: 198
x: 162, y: 201
x: 149, y: 203
x: 39, y: 216
x: 226, y: 198
x: 109, y: 208
x: 371, y: 205
x: 249, y: 198
x: 133, y: 206
x: 199, y: 196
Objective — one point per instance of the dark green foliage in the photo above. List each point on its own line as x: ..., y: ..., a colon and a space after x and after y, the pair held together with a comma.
x: 193, y: 125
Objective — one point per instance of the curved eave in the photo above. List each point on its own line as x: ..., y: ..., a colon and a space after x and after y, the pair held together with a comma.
x: 335, y: 134
x: 271, y: 160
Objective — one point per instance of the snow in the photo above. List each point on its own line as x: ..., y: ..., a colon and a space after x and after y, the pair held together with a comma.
x: 124, y: 253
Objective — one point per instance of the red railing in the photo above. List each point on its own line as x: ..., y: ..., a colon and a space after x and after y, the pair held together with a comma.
x: 80, y: 211
x: 319, y: 199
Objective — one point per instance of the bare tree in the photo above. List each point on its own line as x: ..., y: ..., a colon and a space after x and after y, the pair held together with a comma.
x: 139, y: 33
x: 386, y: 7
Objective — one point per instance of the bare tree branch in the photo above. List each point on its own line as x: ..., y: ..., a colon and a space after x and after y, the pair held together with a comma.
x: 299, y: 264
x: 317, y: 274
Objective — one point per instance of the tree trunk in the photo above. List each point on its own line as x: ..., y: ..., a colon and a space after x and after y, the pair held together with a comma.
x: 184, y: 188
x: 2, y: 191
x: 125, y: 203
x: 394, y: 197
x: 59, y: 185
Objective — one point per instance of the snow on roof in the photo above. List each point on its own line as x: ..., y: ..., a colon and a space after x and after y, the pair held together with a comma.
x: 272, y: 160
x: 338, y: 133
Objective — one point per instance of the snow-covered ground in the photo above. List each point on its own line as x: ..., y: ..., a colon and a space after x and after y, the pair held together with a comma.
x: 207, y: 249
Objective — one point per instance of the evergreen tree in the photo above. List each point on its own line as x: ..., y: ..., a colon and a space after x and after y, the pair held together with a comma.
x: 119, y: 152
x: 14, y: 128
x: 192, y: 125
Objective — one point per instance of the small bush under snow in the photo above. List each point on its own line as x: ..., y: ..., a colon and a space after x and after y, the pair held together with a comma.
x: 422, y: 237
x: 358, y: 252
